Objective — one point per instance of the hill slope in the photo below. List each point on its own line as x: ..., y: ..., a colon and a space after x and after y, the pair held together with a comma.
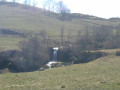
x: 30, y: 21
x: 100, y: 74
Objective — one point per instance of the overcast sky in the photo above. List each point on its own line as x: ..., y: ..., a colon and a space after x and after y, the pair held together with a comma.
x: 100, y: 8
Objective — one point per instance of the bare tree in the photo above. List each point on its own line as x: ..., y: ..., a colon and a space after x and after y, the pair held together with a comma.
x: 62, y: 8
x: 34, y: 3
x: 117, y: 39
x: 3, y: 1
x: 35, y: 54
x: 62, y: 35
x: 44, y: 3
x: 69, y: 35
x: 79, y: 34
x: 13, y: 1
x: 43, y: 34
x: 49, y: 4
x: 27, y: 2
x: 53, y: 5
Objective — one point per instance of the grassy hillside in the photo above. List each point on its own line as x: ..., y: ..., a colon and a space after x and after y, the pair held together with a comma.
x: 29, y: 20
x: 34, y: 20
x: 101, y: 74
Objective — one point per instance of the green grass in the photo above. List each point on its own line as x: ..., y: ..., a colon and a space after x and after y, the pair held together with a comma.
x: 101, y: 74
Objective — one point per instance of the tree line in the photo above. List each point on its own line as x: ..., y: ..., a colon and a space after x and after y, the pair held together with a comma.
x: 89, y: 38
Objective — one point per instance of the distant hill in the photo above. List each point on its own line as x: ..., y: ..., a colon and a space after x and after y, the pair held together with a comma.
x: 28, y: 20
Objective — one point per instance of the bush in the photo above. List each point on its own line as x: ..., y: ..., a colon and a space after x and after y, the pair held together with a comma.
x: 118, y: 53
x: 76, y: 56
x: 65, y: 55
x: 5, y: 58
x: 84, y: 57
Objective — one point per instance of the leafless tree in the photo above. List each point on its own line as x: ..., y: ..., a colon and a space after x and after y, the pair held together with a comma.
x: 27, y: 2
x: 62, y: 35
x: 43, y: 34
x: 62, y: 8
x: 3, y: 1
x: 13, y: 1
x: 79, y: 34
x: 44, y: 4
x: 34, y: 3
x: 69, y: 35
x: 49, y: 4
x: 35, y: 54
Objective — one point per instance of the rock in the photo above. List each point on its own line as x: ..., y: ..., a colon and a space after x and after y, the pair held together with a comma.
x: 58, y: 64
x: 43, y: 68
x: 62, y: 86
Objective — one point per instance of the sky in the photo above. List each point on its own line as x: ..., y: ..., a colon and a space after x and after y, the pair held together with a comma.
x: 99, y: 8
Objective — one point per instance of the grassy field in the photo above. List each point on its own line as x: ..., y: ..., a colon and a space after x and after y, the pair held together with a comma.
x: 100, y: 74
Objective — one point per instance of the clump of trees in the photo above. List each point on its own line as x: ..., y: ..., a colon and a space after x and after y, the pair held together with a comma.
x: 98, y: 37
x: 54, y: 5
x: 91, y: 38
x: 33, y: 55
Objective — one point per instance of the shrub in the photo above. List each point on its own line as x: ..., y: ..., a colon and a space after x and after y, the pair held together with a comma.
x: 118, y: 53
x: 65, y: 55
x: 5, y: 58
x: 76, y: 56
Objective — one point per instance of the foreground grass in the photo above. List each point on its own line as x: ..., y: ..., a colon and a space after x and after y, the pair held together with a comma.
x: 101, y: 74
